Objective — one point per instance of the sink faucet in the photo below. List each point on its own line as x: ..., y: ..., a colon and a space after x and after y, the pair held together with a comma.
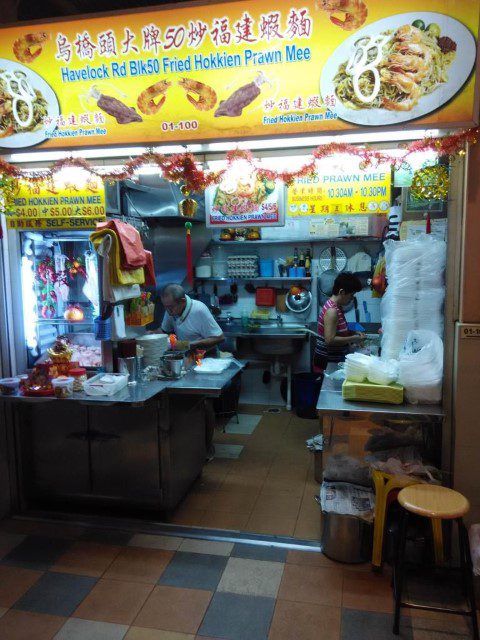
x: 279, y: 320
x: 229, y: 318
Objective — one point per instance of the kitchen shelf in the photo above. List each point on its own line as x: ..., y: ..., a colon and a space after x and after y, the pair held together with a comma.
x: 226, y: 243
x: 63, y: 321
x: 271, y: 279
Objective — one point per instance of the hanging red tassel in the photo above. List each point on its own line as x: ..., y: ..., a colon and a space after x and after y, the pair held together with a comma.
x: 188, y: 227
x: 428, y: 226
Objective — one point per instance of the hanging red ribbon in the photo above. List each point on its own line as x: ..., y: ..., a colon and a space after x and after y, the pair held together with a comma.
x: 188, y: 227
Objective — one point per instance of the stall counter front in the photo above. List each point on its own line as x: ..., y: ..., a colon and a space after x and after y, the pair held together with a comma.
x: 140, y: 449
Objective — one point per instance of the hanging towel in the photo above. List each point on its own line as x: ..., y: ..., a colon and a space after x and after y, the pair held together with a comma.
x: 118, y: 276
x: 149, y: 271
x: 113, y: 293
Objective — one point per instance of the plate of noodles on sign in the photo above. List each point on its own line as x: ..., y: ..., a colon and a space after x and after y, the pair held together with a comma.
x: 399, y: 68
x: 29, y: 107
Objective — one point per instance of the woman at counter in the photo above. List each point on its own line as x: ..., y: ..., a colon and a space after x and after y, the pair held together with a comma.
x: 335, y: 338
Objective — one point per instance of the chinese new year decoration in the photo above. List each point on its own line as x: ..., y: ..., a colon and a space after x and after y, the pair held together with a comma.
x: 431, y: 183
x: 183, y: 167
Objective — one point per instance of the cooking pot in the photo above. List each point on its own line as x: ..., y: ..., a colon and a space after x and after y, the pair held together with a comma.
x: 299, y: 302
x: 171, y: 364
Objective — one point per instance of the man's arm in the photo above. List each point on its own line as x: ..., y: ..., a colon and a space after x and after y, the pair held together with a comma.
x: 210, y: 331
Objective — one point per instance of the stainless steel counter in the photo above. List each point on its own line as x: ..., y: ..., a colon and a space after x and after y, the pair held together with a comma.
x: 191, y: 383
x: 330, y: 402
x: 293, y: 331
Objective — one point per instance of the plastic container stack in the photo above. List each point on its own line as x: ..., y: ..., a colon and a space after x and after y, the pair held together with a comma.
x: 415, y: 293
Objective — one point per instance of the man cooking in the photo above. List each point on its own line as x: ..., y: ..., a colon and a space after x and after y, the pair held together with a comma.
x: 195, y: 327
x: 190, y: 320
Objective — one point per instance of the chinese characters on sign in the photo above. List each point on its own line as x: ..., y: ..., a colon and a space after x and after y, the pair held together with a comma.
x: 58, y: 204
x: 341, y: 192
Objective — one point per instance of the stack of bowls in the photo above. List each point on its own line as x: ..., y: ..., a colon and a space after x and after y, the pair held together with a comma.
x: 154, y: 346
x: 356, y: 367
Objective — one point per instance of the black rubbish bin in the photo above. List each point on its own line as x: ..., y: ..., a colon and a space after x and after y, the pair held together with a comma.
x: 306, y: 387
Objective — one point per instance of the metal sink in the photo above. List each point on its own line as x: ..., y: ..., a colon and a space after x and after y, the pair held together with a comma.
x: 269, y: 339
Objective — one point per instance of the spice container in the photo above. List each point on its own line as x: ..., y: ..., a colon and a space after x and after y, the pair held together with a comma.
x: 63, y: 387
x: 9, y: 386
x: 79, y: 376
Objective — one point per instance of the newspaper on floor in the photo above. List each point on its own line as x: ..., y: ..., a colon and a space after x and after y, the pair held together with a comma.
x: 348, y: 499
x: 315, y: 443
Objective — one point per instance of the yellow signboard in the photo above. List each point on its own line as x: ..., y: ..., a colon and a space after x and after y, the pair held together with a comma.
x: 61, y: 203
x: 341, y: 191
x: 237, y: 70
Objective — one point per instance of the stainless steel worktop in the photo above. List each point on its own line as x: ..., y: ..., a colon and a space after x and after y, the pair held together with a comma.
x: 191, y: 383
x: 330, y: 402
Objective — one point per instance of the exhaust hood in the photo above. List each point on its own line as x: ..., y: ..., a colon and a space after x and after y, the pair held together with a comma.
x: 155, y: 197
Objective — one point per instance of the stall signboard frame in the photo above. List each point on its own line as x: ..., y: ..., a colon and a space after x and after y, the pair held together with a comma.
x: 227, y: 70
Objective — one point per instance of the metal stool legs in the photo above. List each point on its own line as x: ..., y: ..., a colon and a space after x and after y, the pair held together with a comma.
x: 467, y: 574
x: 399, y: 570
x: 465, y: 568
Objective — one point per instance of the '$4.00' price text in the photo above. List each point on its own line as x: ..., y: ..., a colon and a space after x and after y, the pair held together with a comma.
x: 181, y: 125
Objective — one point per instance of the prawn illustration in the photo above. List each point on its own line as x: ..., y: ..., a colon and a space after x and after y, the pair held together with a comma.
x: 354, y: 12
x: 405, y: 85
x: 146, y: 100
x: 206, y: 96
x: 30, y: 46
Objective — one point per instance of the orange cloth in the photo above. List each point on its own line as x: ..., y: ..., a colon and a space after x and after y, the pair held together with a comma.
x: 132, y: 253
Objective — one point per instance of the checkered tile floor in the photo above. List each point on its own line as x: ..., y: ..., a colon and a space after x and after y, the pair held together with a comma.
x: 64, y: 582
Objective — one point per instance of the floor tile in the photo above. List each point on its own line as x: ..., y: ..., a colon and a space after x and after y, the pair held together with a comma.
x: 259, y: 552
x: 270, y: 525
x: 14, y: 582
x: 147, y: 541
x: 367, y: 591
x: 140, y: 633
x: 57, y: 594
x: 230, y: 451
x: 8, y: 542
x: 237, y: 483
x: 238, y: 617
x: 173, y: 609
x: 107, y: 536
x: 22, y: 625
x: 363, y: 625
x: 316, y: 585
x: 247, y: 423
x: 311, y: 559
x: 210, y: 547
x: 277, y: 505
x: 194, y: 571
x: 37, y: 552
x: 197, y: 499
x: 188, y: 517
x: 40, y: 528
x: 238, y: 502
x: 76, y: 629
x: 134, y: 564
x: 299, y: 620
x: 308, y: 529
x: 252, y: 577
x: 3, y: 611
x: 224, y: 520
x: 441, y: 628
x: 86, y: 559
x: 114, y: 601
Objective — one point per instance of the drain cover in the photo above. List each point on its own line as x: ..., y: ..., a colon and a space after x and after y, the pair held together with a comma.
x: 273, y: 411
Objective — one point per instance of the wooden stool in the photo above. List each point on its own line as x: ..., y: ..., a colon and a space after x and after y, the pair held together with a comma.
x: 438, y: 503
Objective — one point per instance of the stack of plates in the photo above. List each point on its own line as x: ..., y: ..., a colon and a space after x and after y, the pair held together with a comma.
x: 154, y: 346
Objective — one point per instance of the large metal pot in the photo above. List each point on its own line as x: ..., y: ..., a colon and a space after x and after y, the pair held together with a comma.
x: 346, y: 538
x: 172, y: 364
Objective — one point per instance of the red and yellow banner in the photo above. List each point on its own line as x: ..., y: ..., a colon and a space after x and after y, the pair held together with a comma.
x: 238, y: 70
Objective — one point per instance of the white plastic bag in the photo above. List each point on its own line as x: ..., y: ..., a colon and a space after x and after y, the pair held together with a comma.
x: 421, y: 367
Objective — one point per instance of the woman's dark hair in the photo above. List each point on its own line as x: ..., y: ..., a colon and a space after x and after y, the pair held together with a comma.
x: 348, y: 282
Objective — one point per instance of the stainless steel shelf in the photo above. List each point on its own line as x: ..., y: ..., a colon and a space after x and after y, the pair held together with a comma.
x: 226, y: 243
x: 63, y: 321
x: 259, y: 278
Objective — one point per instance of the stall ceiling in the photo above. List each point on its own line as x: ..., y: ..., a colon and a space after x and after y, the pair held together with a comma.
x: 34, y: 10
